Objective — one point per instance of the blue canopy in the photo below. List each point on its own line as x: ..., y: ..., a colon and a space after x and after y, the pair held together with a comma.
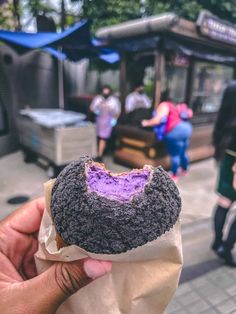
x: 75, y: 36
x: 75, y: 43
x: 110, y: 57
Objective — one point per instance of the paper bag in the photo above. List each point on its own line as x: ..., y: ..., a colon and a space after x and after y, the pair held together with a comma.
x: 142, y: 280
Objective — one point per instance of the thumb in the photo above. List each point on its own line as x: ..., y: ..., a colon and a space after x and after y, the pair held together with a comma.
x: 46, y: 292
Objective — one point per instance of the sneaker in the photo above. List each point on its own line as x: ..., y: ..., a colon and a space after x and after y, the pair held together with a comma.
x: 222, y: 252
x: 219, y: 251
x: 98, y: 159
x: 216, y: 245
x: 183, y: 172
x: 174, y: 178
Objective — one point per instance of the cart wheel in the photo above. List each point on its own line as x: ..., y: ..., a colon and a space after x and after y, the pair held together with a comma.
x: 29, y: 156
x: 53, y: 171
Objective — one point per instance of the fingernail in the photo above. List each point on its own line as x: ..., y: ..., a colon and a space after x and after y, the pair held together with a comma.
x: 95, y: 268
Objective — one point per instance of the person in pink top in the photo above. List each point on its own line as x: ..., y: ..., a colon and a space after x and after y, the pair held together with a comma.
x: 107, y: 109
x: 177, y: 133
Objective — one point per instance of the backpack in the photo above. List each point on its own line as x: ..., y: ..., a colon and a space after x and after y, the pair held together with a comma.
x: 185, y: 113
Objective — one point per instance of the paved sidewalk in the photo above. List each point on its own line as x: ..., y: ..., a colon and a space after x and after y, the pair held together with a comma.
x: 212, y: 293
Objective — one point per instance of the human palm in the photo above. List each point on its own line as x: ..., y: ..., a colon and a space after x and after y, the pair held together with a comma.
x: 21, y: 290
x: 18, y: 243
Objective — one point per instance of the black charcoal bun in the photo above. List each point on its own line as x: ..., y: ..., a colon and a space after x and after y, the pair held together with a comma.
x: 107, y: 226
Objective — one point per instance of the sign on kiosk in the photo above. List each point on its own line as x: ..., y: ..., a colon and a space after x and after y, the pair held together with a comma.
x: 215, y: 28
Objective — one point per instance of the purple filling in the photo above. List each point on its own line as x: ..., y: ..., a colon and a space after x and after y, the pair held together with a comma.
x: 118, y: 187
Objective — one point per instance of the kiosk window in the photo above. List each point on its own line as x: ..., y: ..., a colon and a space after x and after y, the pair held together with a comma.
x: 209, y: 81
x: 175, y: 82
x: 141, y: 69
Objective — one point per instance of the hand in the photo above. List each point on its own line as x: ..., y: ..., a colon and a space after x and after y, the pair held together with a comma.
x: 234, y: 177
x: 144, y: 123
x: 21, y: 290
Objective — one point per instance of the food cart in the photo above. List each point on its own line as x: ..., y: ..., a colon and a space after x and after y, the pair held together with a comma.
x: 193, y: 61
x: 57, y: 136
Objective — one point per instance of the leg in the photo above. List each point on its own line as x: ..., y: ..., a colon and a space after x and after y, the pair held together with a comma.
x: 225, y: 187
x: 221, y: 212
x: 173, y: 148
x: 175, y: 162
x: 228, y: 246
x: 101, y: 147
x: 231, y: 239
x: 184, y: 160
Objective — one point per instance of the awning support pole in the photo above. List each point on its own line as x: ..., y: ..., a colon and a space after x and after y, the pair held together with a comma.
x: 123, y: 82
x: 189, y: 84
x: 61, y: 102
x: 159, y: 76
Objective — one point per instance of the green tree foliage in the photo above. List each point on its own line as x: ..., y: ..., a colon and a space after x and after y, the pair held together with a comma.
x: 109, y: 12
x: 191, y: 8
x: 223, y: 9
x: 183, y: 8
x: 37, y: 7
x: 7, y: 20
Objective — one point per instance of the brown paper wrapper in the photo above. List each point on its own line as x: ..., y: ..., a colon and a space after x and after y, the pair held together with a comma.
x: 142, y: 280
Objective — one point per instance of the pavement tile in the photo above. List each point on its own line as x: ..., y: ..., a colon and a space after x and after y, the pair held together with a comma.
x: 189, y: 298
x: 212, y: 294
x: 210, y: 311
x: 216, y: 297
x: 182, y: 311
x: 224, y: 281
x: 182, y: 289
x: 232, y: 290
x: 207, y: 288
x: 227, y: 307
x: 231, y: 272
x: 219, y: 273
x: 198, y: 307
x: 173, y: 306
x: 199, y: 282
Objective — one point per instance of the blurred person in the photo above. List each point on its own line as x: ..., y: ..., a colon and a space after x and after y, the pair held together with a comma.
x: 21, y: 289
x: 137, y: 99
x: 224, y: 141
x: 107, y: 109
x: 171, y: 123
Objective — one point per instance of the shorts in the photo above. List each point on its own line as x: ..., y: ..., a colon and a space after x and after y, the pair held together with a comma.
x: 225, y: 180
